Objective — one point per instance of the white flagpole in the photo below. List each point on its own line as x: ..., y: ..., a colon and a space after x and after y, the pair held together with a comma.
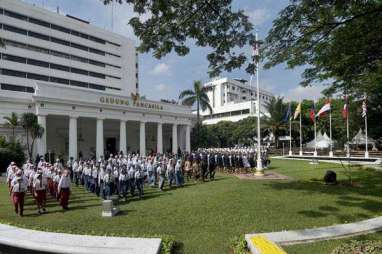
x: 347, y: 128
x: 315, y: 131
x: 330, y: 131
x: 300, y: 153
x: 259, y: 168
x: 366, y: 150
x: 290, y: 136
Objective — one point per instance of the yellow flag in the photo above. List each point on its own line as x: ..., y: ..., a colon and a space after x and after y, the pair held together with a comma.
x: 298, y: 111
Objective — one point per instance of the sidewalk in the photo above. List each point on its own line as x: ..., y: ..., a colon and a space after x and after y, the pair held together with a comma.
x: 34, y: 240
x: 318, y: 234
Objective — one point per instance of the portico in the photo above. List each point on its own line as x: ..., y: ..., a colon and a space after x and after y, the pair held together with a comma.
x: 94, y: 124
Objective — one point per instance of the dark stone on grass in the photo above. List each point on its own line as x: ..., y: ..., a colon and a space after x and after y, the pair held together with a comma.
x: 330, y: 177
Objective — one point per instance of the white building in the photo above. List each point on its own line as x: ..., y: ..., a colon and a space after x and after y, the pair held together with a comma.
x: 232, y: 100
x: 81, y: 81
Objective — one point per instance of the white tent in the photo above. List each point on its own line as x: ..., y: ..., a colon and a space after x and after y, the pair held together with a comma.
x: 360, y: 139
x: 323, y: 141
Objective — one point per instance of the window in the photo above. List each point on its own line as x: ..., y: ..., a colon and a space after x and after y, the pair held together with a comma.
x: 96, y: 51
x: 16, y: 88
x: 38, y: 63
x: 75, y: 33
x: 15, y: 15
x: 15, y: 29
x: 78, y: 83
x: 79, y: 71
x: 59, y: 67
x: 79, y: 59
x: 37, y: 49
x: 14, y: 58
x: 245, y: 111
x: 38, y: 36
x: 39, y: 22
x: 97, y: 75
x: 59, y: 41
x: 37, y: 77
x: 114, y: 77
x: 85, y: 36
x: 95, y: 86
x: 95, y: 39
x: 59, y: 80
x: 13, y: 73
x: 78, y: 46
x: 60, y: 28
x: 59, y: 54
x: 96, y: 63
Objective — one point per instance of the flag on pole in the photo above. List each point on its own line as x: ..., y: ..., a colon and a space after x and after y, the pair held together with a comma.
x: 312, y: 113
x: 255, y: 50
x: 345, y: 110
x: 297, y: 112
x: 324, y: 109
x: 287, y: 114
x: 364, y: 108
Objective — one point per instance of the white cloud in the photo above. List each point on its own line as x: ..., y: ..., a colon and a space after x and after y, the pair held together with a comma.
x: 258, y: 16
x: 300, y: 93
x: 161, y: 68
x: 162, y: 87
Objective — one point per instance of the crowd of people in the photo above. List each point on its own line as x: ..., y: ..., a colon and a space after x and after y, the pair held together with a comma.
x: 122, y: 175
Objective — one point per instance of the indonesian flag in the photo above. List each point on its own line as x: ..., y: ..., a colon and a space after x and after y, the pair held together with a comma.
x: 312, y: 113
x: 345, y: 110
x: 324, y: 109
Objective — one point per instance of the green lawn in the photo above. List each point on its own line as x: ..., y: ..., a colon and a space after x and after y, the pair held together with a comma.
x: 204, y: 217
x: 325, y: 247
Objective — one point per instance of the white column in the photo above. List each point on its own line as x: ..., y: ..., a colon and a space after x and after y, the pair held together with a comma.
x: 122, y: 136
x: 99, y: 138
x: 41, y: 142
x: 188, y: 140
x: 142, y: 139
x: 159, y: 138
x: 73, y: 137
x: 174, y: 138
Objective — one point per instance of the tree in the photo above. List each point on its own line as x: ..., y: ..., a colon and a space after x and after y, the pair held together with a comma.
x: 199, y: 96
x: 32, y: 130
x: 339, y: 41
x: 12, y: 122
x: 208, y: 23
x: 276, y: 109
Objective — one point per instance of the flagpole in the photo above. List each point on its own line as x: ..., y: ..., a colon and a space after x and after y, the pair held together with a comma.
x: 290, y: 136
x: 347, y: 129
x: 300, y: 133
x: 366, y: 150
x: 330, y: 132
x: 259, y: 168
x: 315, y: 132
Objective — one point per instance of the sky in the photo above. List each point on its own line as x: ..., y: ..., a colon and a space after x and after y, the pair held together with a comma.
x: 167, y: 77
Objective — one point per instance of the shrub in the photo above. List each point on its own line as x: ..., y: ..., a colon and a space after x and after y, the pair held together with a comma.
x: 359, y: 247
x: 239, y: 245
x: 12, y: 151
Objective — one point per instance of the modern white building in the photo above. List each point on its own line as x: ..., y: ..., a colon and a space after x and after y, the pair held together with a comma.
x: 82, y: 82
x: 233, y: 100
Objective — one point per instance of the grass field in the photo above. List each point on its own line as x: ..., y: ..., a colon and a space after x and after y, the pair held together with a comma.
x: 203, y: 217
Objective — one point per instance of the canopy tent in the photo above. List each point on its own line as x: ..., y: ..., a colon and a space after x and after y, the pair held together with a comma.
x: 323, y: 141
x: 360, y: 139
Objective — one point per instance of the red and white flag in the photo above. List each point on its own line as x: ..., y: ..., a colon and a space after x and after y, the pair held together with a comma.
x: 345, y: 110
x: 324, y: 109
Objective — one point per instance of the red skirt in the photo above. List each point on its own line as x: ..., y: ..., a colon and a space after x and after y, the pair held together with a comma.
x: 18, y: 197
x: 64, y: 197
x: 51, y: 186
x: 40, y: 196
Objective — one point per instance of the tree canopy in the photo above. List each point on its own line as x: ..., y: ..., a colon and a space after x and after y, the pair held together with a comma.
x: 339, y: 41
x: 207, y: 23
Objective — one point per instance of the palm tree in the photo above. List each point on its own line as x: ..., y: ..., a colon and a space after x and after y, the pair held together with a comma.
x: 32, y: 129
x: 199, y: 96
x: 275, y: 121
x: 12, y: 122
